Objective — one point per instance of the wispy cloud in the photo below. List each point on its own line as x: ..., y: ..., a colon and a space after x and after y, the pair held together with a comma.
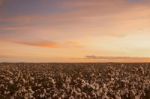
x: 46, y: 43
x: 43, y: 44
x: 117, y: 58
x: 111, y: 57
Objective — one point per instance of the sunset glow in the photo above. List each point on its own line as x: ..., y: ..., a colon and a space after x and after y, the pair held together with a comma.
x: 71, y: 30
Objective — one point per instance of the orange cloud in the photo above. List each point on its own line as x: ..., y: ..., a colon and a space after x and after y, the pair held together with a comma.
x: 44, y: 44
x: 48, y: 44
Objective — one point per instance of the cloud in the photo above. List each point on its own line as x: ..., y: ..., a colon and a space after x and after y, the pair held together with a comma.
x: 43, y: 44
x: 109, y: 57
x: 118, y: 58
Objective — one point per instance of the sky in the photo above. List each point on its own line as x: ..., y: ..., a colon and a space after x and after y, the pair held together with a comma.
x: 74, y: 30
